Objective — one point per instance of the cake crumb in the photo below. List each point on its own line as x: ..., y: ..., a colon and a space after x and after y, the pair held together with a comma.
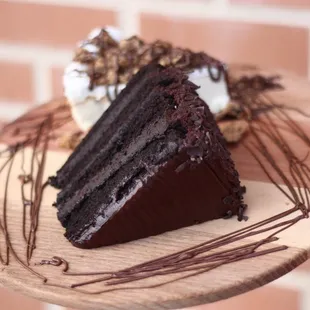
x: 233, y: 130
x: 70, y: 141
x: 232, y: 110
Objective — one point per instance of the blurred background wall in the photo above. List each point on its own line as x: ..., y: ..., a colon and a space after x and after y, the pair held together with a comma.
x: 37, y: 38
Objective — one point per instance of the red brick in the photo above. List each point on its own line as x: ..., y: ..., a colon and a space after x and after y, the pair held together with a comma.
x: 11, y: 300
x: 265, y: 298
x: 290, y: 3
x: 269, y: 46
x: 16, y: 82
x: 57, y: 86
x: 48, y: 24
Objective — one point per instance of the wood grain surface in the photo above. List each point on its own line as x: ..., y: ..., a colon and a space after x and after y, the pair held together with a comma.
x: 263, y: 198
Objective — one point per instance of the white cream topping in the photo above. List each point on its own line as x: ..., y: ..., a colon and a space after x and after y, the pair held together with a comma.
x: 91, y: 48
x: 88, y: 110
x: 89, y: 104
x: 115, y: 33
x: 94, y: 33
x: 214, y: 93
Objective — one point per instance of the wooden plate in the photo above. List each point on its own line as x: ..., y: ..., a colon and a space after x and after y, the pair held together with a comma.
x: 263, y: 198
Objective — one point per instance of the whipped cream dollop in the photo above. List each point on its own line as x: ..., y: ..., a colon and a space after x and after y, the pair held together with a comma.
x: 89, y: 103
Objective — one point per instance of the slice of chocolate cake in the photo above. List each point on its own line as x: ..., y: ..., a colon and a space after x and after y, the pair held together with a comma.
x: 154, y: 162
x: 102, y: 132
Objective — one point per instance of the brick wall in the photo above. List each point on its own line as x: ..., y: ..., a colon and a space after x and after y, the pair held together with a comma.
x: 36, y: 42
x: 37, y: 36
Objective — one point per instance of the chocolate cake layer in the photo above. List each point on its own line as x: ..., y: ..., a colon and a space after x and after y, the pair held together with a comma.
x: 103, y: 130
x: 130, y: 139
x: 163, y: 166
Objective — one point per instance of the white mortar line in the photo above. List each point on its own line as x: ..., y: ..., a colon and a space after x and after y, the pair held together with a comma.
x: 53, y: 307
x: 199, y: 9
x: 107, y: 4
x: 241, y: 13
x: 42, y: 82
x: 33, y: 53
x: 264, y: 14
x: 128, y: 20
x: 41, y: 59
x: 10, y: 110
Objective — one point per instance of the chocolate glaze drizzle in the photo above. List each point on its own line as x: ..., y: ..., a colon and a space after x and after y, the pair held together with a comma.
x: 35, y: 133
x: 266, y: 129
x: 116, y: 62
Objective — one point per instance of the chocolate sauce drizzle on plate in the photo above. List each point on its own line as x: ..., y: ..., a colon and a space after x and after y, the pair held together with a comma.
x: 266, y: 130
x: 35, y: 134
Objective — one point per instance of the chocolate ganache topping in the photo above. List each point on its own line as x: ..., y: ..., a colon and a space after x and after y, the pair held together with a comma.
x: 110, y: 62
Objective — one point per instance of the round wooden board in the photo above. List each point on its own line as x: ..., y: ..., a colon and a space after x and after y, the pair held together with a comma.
x: 263, y: 198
